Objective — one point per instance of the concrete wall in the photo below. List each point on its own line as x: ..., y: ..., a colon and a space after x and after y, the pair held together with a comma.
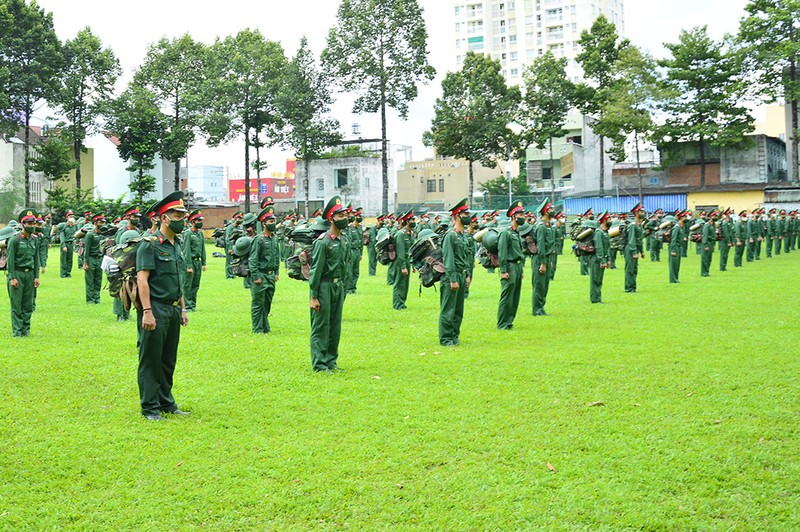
x: 412, y: 181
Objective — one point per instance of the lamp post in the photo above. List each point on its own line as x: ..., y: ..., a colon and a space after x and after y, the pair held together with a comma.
x: 515, y: 129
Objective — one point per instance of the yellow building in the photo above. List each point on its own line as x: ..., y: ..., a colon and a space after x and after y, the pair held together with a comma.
x: 737, y: 200
x: 87, y: 173
x: 771, y: 121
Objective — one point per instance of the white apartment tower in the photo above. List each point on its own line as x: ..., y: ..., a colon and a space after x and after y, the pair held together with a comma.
x: 517, y: 31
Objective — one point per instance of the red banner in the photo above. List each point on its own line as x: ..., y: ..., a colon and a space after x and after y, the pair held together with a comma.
x: 277, y: 188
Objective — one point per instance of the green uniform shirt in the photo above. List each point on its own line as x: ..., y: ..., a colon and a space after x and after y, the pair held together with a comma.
x: 93, y: 245
x: 545, y: 241
x: 67, y: 234
x: 675, y: 240
x: 194, y: 245
x: 23, y: 254
x: 509, y: 248
x: 166, y: 265
x: 709, y: 235
x: 356, y: 237
x: 602, y: 244
x: 403, y: 241
x: 635, y: 234
x: 455, y: 255
x: 328, y: 260
x: 264, y: 255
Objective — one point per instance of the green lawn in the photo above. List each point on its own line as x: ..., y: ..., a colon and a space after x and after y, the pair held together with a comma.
x: 672, y: 408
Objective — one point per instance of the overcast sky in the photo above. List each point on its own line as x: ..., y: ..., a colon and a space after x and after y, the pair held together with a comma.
x: 128, y: 27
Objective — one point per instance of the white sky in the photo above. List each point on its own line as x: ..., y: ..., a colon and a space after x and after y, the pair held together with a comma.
x: 128, y: 27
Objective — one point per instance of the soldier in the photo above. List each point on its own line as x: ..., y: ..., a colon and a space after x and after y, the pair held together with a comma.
x: 726, y: 231
x: 23, y: 273
x: 43, y: 227
x: 456, y: 278
x: 687, y: 223
x: 134, y: 223
x: 761, y: 230
x: 544, y: 260
x: 600, y: 261
x: 709, y: 241
x: 66, y: 237
x: 584, y: 259
x: 326, y: 288
x: 234, y: 227
x: 264, y: 263
x: 676, y: 246
x: 786, y: 233
x: 511, y: 264
x: 372, y: 236
x: 473, y: 247
x: 193, y: 245
x: 752, y: 236
x: 158, y: 274
x: 634, y: 247
x: 355, y: 236
x: 403, y: 240
x: 740, y: 236
x: 93, y: 259
x: 81, y: 247
x: 655, y: 250
x: 769, y: 239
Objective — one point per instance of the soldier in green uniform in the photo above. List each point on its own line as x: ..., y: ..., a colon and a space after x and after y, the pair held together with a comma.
x: 769, y: 238
x: 600, y: 261
x: 675, y: 246
x: 193, y: 244
x: 235, y: 225
x: 43, y: 230
x: 752, y: 236
x: 159, y: 268
x: 726, y: 230
x: 372, y: 236
x: 329, y: 260
x: 634, y: 247
x: 655, y: 249
x: 456, y: 278
x: 473, y: 228
x: 780, y: 226
x: 708, y: 242
x: 740, y: 238
x: 761, y: 230
x: 80, y: 246
x: 66, y: 237
x: 23, y: 273
x: 390, y: 225
x: 584, y: 259
x: 786, y: 232
x: 133, y: 219
x: 355, y: 235
x: 545, y: 236
x: 93, y: 259
x: 403, y: 240
x: 795, y: 230
x: 560, y: 229
x: 511, y: 263
x: 264, y: 264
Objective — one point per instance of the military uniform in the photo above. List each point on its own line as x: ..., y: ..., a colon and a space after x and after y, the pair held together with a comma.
x: 229, y: 231
x: 708, y: 242
x: 455, y: 255
x: 355, y: 236
x: 23, y: 274
x: 93, y: 259
x: 162, y: 300
x: 675, y: 250
x: 372, y: 255
x: 194, y: 251
x: 403, y: 240
x: 511, y: 264
x: 599, y: 261
x: 752, y: 235
x: 634, y: 249
x: 264, y: 264
x: 726, y: 229
x: 740, y: 239
x: 326, y: 283
x: 66, y: 237
x: 545, y: 236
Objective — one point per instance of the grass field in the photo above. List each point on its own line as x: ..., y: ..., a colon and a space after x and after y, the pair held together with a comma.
x: 672, y: 408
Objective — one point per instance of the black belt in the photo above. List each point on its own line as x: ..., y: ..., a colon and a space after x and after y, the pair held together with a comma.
x: 517, y: 261
x: 271, y: 272
x: 174, y: 303
x: 197, y: 258
x: 332, y: 279
x: 24, y: 270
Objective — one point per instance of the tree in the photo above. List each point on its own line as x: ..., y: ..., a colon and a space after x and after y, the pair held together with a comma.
x: 471, y: 117
x: 54, y: 159
x: 244, y: 80
x: 139, y: 126
x: 545, y: 105
x: 379, y: 50
x: 770, y: 34
x: 8, y: 122
x: 305, y: 103
x: 174, y: 71
x: 706, y: 85
x: 31, y: 56
x: 601, y: 48
x: 87, y: 83
x: 499, y: 186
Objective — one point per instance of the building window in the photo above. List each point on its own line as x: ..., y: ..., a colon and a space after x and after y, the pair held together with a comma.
x: 341, y: 177
x: 654, y: 180
x: 431, y: 185
x: 321, y: 185
x: 441, y: 185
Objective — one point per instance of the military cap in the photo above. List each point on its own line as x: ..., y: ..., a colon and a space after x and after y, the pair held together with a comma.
x: 669, y: 218
x: 349, y: 207
x: 773, y: 210
x: 638, y: 207
x: 238, y: 214
x: 783, y: 212
x: 589, y: 212
x: 70, y: 213
x: 171, y: 202
x: 474, y: 218
x: 316, y: 213
x: 99, y: 217
x: 27, y: 215
x: 560, y: 214
x: 318, y: 224
x: 266, y: 212
x: 713, y: 213
x: 407, y: 216
x: 241, y: 245
x: 87, y: 215
x: 6, y: 232
x: 514, y: 208
x: 266, y: 201
x: 334, y: 205
x: 743, y: 213
x: 249, y: 219
x: 460, y: 206
x: 196, y: 214
x: 128, y: 235
x: 659, y: 211
x: 132, y: 211
x: 603, y: 217
x: 544, y: 206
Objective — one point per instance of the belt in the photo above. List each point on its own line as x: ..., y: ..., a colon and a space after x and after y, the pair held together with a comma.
x: 269, y: 272
x: 517, y: 261
x: 24, y: 269
x: 174, y: 303
x: 197, y: 258
x: 332, y: 279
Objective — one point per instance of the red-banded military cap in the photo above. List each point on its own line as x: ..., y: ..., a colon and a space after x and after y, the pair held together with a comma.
x: 196, y: 214
x: 316, y: 213
x: 773, y: 211
x: 544, y: 206
x: 39, y: 218
x: 334, y: 205
x: 461, y: 206
x: 87, y: 214
x: 27, y: 215
x: 603, y: 217
x: 266, y: 212
x: 266, y: 201
x: 407, y: 216
x: 132, y: 211
x: 348, y: 208
x: 70, y: 213
x: 514, y: 208
x: 171, y: 202
x: 99, y: 217
x: 638, y: 207
x: 743, y: 213
x: 589, y: 212
x: 713, y: 213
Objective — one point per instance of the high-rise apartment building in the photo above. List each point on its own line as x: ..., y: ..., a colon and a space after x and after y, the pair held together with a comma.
x: 517, y: 31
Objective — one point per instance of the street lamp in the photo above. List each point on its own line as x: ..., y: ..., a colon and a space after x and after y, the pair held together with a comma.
x: 515, y: 129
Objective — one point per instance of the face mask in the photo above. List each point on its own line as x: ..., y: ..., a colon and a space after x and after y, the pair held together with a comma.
x: 29, y: 230
x: 341, y: 224
x: 271, y: 227
x: 351, y: 219
x: 176, y: 226
x: 359, y: 219
x: 412, y: 225
x: 520, y: 221
x: 198, y: 225
x: 465, y: 220
x: 136, y: 222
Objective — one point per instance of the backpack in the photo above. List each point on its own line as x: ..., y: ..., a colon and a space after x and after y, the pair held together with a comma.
x: 426, y: 257
x: 219, y: 237
x: 298, y: 264
x: 121, y: 274
x: 240, y: 263
x: 619, y: 241
x: 385, y: 247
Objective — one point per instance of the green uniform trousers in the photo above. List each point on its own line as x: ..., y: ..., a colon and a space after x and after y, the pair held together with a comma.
x: 355, y: 272
x: 390, y: 273
x: 66, y: 259
x: 372, y: 257
x: 21, y: 299
x: 787, y: 244
x: 400, y: 289
x: 596, y: 274
x: 228, y: 268
x: 751, y: 251
x: 758, y: 249
x: 451, y: 310
x: 261, y: 302
x: 326, y: 325
x: 655, y: 250
x: 94, y: 279
x: 158, y: 353
x: 777, y: 243
x: 541, y: 286
x: 510, y: 290
x: 119, y: 309
x: 551, y: 268
x: 584, y: 260
x: 191, y: 284
x: 724, y: 251
x: 738, y: 255
x: 674, y: 268
x: 705, y: 262
x: 631, y: 271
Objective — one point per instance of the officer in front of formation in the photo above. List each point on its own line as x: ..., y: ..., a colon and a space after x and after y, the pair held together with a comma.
x: 194, y: 251
x: 264, y: 262
x: 327, y: 290
x: 23, y: 273
x: 159, y: 268
x: 511, y: 263
x: 93, y: 259
x: 456, y: 278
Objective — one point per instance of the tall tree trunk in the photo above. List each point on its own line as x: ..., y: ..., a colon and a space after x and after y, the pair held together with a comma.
x: 602, y: 164
x: 307, y: 164
x: 247, y: 169
x: 553, y: 174
x: 26, y: 152
x: 702, y: 163
x: 793, y: 132
x: 76, y: 152
x: 471, y: 182
x: 384, y: 156
x: 177, y: 176
x: 638, y: 166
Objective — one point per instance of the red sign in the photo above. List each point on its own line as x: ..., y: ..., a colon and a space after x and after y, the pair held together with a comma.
x: 277, y: 188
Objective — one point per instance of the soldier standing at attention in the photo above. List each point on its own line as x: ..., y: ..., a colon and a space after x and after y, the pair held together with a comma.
x: 740, y: 238
x: 726, y: 230
x: 372, y: 236
x: 544, y: 260
x: 159, y: 268
x: 66, y: 237
x: 403, y: 240
x: 23, y: 273
x: 752, y: 236
x: 355, y: 236
x: 584, y: 259
x: 329, y: 262
x: 235, y: 225
x: 601, y: 259
x: 634, y: 247
x: 708, y: 242
x: 511, y: 264
x: 676, y: 247
x: 473, y: 247
x: 264, y: 263
x: 87, y: 219
x: 92, y: 260
x: 456, y: 278
x: 194, y: 252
